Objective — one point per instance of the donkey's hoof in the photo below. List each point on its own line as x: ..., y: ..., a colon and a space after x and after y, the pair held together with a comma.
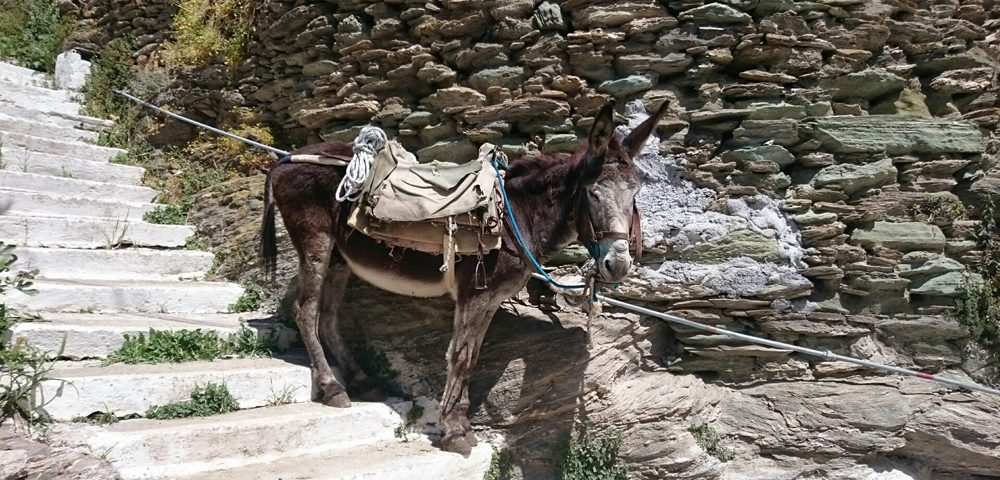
x: 340, y: 400
x: 460, y: 443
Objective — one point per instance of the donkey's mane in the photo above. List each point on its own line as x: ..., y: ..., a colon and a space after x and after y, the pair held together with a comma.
x: 538, y: 173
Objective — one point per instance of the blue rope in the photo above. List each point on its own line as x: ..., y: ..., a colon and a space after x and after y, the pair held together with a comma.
x: 517, y: 231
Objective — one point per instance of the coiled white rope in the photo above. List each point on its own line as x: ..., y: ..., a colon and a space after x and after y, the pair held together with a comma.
x: 370, y: 140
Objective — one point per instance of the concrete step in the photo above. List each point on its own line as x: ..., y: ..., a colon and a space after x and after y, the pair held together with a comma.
x: 20, y: 160
x: 23, y: 76
x: 90, y: 335
x: 89, y: 232
x: 45, y: 129
x: 50, y: 205
x: 64, y: 147
x: 192, y: 447
x: 58, y: 119
x: 37, y: 98
x: 36, y: 182
x: 95, y: 296
x: 70, y: 391
x: 121, y: 264
x: 415, y: 459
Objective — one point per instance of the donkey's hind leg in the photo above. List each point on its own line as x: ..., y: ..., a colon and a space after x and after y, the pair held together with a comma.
x: 314, y: 257
x: 334, y: 288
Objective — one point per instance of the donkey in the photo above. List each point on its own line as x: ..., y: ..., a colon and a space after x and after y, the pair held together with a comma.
x: 588, y: 195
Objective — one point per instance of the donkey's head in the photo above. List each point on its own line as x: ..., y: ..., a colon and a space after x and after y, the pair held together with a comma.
x: 607, y: 221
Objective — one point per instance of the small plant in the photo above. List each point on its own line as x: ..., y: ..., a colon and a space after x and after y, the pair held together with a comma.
x: 212, y: 399
x: 107, y: 417
x: 32, y: 33
x: 205, y: 30
x: 166, y: 215
x: 978, y: 304
x: 710, y: 441
x: 22, y: 366
x: 284, y: 397
x: 174, y: 346
x: 111, y: 69
x: 194, y: 242
x: 412, y: 416
x: 501, y: 466
x: 374, y: 363
x: 938, y: 209
x: 591, y: 455
x: 249, y: 300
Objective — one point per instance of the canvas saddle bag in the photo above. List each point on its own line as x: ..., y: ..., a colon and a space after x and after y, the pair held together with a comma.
x: 437, y: 207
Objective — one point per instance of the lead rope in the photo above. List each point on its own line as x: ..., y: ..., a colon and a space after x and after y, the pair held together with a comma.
x: 370, y: 140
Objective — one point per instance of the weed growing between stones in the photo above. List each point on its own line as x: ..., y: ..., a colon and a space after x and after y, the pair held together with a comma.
x: 166, y: 215
x: 412, y: 416
x: 22, y: 366
x: 710, y: 441
x: 284, y: 397
x: 212, y: 399
x: 205, y: 30
x: 938, y: 210
x: 173, y: 346
x: 978, y: 304
x: 250, y: 300
x: 589, y: 454
x: 107, y: 417
x: 32, y: 33
x: 374, y: 363
x: 501, y: 466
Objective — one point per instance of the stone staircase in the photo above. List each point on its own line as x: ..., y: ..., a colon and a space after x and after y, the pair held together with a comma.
x: 102, y: 272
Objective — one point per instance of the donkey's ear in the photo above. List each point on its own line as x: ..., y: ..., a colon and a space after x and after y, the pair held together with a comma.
x: 601, y: 131
x: 635, y: 140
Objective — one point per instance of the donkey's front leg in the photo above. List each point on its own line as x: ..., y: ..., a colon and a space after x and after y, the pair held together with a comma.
x: 314, y: 257
x: 472, y: 318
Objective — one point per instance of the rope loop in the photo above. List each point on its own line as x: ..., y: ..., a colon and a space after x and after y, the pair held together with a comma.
x: 369, y: 141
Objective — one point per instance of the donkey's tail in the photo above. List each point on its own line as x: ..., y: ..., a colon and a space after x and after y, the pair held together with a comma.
x: 268, y: 242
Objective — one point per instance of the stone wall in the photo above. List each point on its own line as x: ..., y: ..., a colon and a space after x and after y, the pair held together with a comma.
x: 804, y: 187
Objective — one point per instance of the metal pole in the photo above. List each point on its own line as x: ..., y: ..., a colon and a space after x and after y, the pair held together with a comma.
x: 280, y: 153
x: 827, y: 355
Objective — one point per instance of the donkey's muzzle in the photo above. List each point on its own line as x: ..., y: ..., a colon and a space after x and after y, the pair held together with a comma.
x: 616, y: 263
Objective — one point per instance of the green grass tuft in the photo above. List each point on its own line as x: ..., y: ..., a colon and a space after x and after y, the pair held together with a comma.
x: 212, y: 399
x: 174, y: 346
x: 710, y: 441
x: 591, y: 455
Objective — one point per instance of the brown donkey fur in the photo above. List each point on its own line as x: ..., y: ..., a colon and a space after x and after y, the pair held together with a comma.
x: 548, y: 194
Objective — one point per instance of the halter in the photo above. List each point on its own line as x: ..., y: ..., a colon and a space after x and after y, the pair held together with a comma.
x: 590, y: 238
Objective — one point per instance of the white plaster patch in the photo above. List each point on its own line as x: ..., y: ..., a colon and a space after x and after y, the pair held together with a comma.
x: 673, y: 212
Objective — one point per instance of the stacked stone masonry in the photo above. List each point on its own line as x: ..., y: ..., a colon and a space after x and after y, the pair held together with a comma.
x: 850, y: 116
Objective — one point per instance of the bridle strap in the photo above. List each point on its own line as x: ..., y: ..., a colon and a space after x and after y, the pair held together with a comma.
x: 589, y: 237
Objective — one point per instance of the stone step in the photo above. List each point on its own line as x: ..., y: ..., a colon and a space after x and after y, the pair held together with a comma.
x: 59, y: 119
x: 21, y: 202
x: 95, y: 296
x: 64, y: 147
x: 20, y: 160
x: 36, y: 182
x: 390, y: 460
x: 121, y: 264
x: 89, y: 232
x: 192, y: 447
x: 45, y: 129
x: 23, y: 76
x: 70, y: 391
x: 98, y: 335
x: 37, y: 98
